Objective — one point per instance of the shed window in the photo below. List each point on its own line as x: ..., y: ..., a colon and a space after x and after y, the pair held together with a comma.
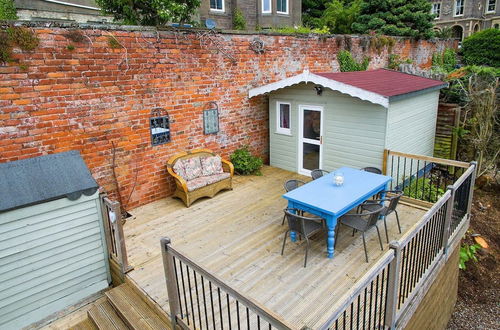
x: 266, y: 6
x: 459, y: 7
x: 283, y: 120
x: 436, y: 9
x: 282, y: 6
x: 490, y: 6
x: 217, y: 5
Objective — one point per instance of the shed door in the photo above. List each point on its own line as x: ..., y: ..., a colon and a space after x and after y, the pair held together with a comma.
x: 310, y: 138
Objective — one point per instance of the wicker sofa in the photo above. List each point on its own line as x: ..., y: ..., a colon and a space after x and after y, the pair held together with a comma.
x: 199, y: 173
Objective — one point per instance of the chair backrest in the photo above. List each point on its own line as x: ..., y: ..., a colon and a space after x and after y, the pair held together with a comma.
x: 296, y: 221
x: 394, y: 200
x: 372, y: 216
x: 292, y: 184
x: 318, y: 173
x: 372, y: 170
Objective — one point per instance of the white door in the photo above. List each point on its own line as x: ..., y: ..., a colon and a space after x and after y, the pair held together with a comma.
x: 310, y: 138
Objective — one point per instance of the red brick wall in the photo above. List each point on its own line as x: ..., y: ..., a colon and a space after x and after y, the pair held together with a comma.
x: 89, y: 97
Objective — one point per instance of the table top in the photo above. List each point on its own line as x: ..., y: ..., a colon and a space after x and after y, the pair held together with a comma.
x: 324, y: 195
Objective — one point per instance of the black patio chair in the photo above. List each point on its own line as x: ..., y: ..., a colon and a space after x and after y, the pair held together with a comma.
x: 303, y: 226
x: 290, y: 185
x: 372, y: 170
x: 317, y: 173
x: 393, y: 199
x: 363, y: 222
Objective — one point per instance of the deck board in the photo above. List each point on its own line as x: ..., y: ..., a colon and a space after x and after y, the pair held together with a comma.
x: 237, y: 235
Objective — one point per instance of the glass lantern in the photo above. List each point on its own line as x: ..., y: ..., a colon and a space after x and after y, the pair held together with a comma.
x: 338, y: 178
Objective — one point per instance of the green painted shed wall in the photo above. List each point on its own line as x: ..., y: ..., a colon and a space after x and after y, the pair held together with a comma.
x: 353, y: 130
x: 52, y: 255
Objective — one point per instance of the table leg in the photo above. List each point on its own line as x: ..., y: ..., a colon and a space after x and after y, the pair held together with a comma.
x: 331, y: 222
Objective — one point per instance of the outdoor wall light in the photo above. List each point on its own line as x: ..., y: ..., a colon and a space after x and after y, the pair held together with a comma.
x: 159, y: 124
x: 319, y: 89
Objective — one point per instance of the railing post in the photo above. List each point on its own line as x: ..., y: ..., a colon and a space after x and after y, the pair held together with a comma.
x: 393, y: 286
x: 171, y: 280
x: 384, y: 161
x: 121, y: 249
x: 448, y: 219
x: 471, y: 191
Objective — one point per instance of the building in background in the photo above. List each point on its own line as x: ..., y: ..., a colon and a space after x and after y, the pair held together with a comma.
x: 465, y: 17
x: 257, y: 13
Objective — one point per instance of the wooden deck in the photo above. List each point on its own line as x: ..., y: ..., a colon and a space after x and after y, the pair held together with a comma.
x: 237, y: 235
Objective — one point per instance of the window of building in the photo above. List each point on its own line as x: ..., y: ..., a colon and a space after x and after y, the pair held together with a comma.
x: 283, y: 118
x: 217, y: 5
x: 266, y: 6
x: 282, y: 6
x: 490, y: 6
x: 436, y: 9
x: 459, y: 7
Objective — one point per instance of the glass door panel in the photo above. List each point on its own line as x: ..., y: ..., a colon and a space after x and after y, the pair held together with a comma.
x: 310, y: 138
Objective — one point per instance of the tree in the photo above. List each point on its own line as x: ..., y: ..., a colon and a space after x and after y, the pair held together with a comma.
x: 411, y: 18
x: 7, y: 10
x: 150, y: 12
x: 482, y: 48
x: 340, y: 14
x: 312, y: 10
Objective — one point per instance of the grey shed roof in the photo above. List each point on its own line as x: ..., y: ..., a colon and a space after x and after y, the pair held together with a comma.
x: 36, y: 180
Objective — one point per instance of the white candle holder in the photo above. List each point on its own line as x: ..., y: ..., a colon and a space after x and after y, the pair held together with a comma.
x: 338, y: 178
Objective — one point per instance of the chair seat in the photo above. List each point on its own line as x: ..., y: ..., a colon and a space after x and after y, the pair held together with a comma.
x: 354, y: 221
x: 374, y: 206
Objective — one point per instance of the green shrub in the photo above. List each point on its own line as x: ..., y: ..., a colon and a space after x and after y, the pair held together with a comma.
x: 468, y: 252
x: 301, y: 30
x: 422, y: 189
x: 348, y: 64
x: 7, y: 10
x: 444, y: 62
x: 395, y: 61
x: 244, y: 163
x: 482, y: 48
x: 239, y: 21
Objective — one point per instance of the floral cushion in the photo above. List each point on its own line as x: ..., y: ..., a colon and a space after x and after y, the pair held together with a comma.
x: 192, y: 166
x: 179, y: 168
x: 211, y: 165
x: 203, y: 181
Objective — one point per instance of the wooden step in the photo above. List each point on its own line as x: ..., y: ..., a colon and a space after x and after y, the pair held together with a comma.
x: 86, y: 324
x: 133, y: 310
x: 105, y: 317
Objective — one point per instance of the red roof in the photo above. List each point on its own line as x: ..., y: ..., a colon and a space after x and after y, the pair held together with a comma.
x: 384, y: 82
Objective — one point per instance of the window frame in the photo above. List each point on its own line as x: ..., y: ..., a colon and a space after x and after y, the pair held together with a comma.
x: 455, y: 8
x: 270, y: 7
x: 287, y: 8
x: 279, y: 129
x: 439, y: 12
x: 486, y: 10
x: 223, y: 10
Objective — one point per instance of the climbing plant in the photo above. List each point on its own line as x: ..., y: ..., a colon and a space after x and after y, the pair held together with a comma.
x: 12, y: 37
x: 347, y: 63
x: 7, y: 10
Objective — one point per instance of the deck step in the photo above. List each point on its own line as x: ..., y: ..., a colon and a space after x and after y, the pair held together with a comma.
x: 86, y: 324
x: 105, y: 317
x: 133, y: 310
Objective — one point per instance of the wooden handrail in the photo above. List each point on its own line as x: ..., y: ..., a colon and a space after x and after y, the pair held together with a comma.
x: 427, y: 158
x: 464, y: 176
x: 268, y: 315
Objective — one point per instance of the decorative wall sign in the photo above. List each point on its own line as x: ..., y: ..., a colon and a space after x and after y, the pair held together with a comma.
x: 159, y: 124
x: 211, y: 118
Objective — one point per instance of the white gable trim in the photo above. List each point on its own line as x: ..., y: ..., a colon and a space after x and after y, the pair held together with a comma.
x: 306, y: 76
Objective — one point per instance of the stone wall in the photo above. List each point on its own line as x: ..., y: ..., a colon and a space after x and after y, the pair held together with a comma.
x: 94, y: 97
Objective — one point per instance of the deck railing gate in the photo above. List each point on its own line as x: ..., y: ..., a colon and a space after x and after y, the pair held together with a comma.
x: 115, y: 239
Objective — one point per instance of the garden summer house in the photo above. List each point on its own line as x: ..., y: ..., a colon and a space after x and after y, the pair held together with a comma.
x: 330, y: 120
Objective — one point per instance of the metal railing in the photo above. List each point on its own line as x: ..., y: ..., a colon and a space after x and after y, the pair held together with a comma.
x: 115, y: 239
x: 421, y: 177
x: 199, y: 300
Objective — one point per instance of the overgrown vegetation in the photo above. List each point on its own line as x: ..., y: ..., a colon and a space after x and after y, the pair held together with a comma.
x: 445, y: 61
x: 347, y: 63
x: 410, y: 18
x: 239, y: 21
x: 300, y: 30
x: 379, y: 42
x: 395, y: 61
x: 7, y: 10
x: 12, y: 37
x: 114, y: 43
x: 150, y: 12
x: 468, y: 252
x: 444, y: 33
x: 339, y: 15
x: 423, y: 189
x: 244, y: 162
x: 482, y: 48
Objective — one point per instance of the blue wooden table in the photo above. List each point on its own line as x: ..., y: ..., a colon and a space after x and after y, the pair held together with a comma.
x: 323, y: 198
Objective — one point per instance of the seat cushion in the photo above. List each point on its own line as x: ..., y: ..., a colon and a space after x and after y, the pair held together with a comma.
x: 203, y: 181
x: 192, y: 167
x: 211, y: 165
